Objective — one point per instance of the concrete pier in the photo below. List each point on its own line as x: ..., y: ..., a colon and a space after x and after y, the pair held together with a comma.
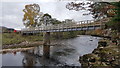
x: 46, y: 45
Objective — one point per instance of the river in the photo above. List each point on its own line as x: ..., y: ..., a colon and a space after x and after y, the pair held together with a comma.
x: 66, y: 53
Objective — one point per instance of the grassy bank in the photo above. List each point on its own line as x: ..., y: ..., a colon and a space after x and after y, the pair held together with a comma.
x: 13, y: 38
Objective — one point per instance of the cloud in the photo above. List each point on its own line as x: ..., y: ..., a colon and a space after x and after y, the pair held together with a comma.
x: 12, y: 15
x: 12, y: 21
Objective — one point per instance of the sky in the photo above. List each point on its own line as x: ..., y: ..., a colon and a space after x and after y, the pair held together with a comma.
x: 12, y: 11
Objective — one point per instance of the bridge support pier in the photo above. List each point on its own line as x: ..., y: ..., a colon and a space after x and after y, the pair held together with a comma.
x: 46, y: 45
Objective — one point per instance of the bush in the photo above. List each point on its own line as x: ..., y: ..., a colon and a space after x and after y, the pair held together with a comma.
x: 101, y: 43
x: 115, y: 22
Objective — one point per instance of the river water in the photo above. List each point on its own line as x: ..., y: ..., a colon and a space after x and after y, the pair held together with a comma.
x: 67, y: 52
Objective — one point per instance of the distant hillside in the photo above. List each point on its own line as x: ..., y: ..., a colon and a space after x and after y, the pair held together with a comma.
x: 5, y: 29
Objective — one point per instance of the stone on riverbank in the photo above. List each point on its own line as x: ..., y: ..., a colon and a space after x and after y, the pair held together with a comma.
x: 106, y: 54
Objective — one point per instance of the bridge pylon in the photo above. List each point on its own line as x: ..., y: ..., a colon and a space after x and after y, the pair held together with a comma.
x: 46, y: 45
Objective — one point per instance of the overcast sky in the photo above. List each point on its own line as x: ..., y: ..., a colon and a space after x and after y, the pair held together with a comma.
x: 12, y: 13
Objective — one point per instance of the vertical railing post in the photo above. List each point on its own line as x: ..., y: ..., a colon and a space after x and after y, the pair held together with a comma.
x: 94, y: 25
x: 58, y: 27
x: 71, y: 27
x: 81, y: 25
x: 87, y: 25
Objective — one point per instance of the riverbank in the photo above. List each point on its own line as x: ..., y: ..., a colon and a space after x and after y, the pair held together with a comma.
x: 107, y: 54
x: 24, y: 44
x: 4, y: 51
x: 14, y: 40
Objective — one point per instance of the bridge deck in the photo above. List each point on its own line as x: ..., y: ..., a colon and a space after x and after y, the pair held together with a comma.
x: 81, y: 25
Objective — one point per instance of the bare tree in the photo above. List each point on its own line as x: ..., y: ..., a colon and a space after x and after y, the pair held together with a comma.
x: 98, y: 9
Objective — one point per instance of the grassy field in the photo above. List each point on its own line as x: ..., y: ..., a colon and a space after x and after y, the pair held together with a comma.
x: 13, y: 38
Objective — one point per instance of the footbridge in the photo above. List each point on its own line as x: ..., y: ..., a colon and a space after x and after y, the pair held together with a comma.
x: 63, y: 27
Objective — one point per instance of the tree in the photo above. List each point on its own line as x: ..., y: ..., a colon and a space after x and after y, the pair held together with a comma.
x: 46, y: 19
x: 101, y: 10
x: 54, y: 21
x: 98, y: 9
x: 32, y: 15
x: 77, y: 6
x: 115, y: 22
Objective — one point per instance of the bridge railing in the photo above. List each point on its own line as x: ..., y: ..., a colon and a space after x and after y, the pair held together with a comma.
x: 65, y: 25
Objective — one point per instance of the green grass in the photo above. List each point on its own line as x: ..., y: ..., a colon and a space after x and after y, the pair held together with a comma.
x: 13, y: 38
x: 8, y: 38
x: 33, y: 38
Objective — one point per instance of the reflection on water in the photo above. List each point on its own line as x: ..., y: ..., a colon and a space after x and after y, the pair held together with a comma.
x: 65, y: 53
